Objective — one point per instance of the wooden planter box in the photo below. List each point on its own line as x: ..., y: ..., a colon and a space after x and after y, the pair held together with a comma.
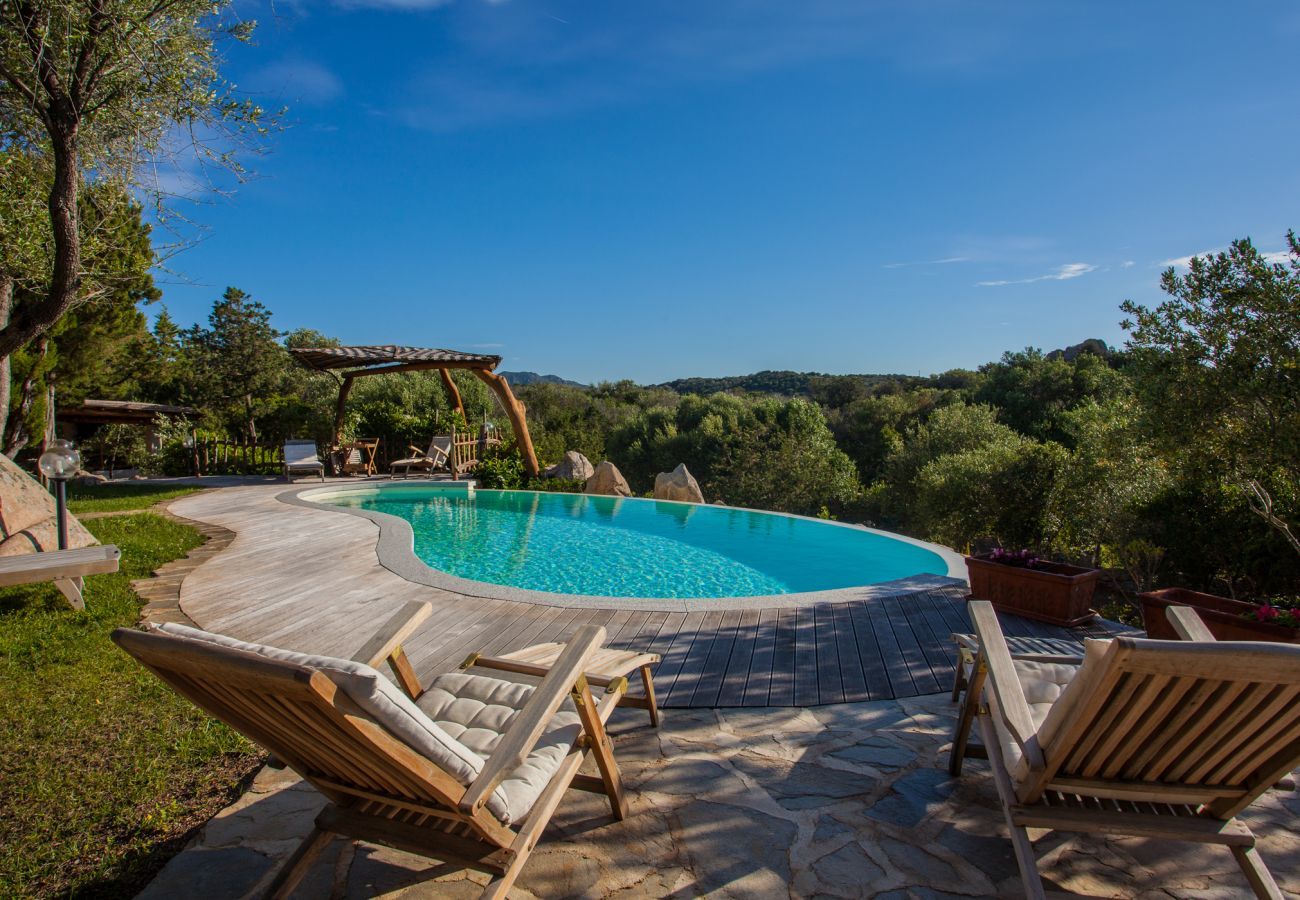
x: 1049, y: 592
x: 1220, y: 614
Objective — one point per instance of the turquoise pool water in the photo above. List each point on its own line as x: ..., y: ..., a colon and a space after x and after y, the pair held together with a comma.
x: 614, y: 547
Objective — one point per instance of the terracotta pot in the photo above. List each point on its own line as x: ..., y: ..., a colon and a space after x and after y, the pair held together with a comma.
x: 1222, y: 615
x: 1049, y: 592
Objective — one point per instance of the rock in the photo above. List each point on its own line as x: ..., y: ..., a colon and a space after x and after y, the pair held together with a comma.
x: 608, y: 480
x: 679, y: 484
x: 572, y: 467
x: 27, y: 515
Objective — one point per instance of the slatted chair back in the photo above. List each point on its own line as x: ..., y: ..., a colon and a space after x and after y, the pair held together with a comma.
x: 305, y: 719
x: 1212, y: 725
x: 300, y: 453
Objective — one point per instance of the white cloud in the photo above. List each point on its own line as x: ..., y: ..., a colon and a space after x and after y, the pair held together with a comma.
x: 1064, y: 273
x: 1127, y: 264
x: 945, y: 261
x: 1182, y: 262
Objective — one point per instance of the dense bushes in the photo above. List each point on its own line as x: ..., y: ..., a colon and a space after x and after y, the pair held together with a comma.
x: 762, y: 452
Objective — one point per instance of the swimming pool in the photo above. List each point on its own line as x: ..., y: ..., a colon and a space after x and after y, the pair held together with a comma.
x: 577, y: 544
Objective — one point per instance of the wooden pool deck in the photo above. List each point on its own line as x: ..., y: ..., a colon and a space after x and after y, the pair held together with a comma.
x: 310, y: 579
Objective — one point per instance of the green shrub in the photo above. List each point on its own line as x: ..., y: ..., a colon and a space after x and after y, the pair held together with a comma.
x: 500, y: 468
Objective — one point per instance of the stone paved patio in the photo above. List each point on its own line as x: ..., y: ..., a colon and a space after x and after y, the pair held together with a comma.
x: 851, y: 800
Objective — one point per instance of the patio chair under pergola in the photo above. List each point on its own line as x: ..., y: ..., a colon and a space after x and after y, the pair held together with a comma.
x: 358, y: 362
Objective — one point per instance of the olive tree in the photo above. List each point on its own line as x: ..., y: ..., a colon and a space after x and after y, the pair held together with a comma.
x: 1219, y: 366
x: 90, y: 91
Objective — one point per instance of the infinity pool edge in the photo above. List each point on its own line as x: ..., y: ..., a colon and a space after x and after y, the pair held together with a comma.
x: 395, y: 549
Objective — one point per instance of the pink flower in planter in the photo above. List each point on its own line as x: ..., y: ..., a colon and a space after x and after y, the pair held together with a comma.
x: 1266, y: 613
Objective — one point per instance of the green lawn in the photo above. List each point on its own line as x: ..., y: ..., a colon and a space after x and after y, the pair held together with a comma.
x: 104, y: 771
x: 117, y: 497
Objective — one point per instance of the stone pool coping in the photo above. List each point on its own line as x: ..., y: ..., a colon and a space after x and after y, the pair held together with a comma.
x: 396, y: 552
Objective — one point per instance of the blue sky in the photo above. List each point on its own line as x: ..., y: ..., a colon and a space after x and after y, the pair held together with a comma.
x: 654, y: 190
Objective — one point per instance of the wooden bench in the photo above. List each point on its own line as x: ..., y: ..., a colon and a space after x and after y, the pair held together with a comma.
x: 66, y: 568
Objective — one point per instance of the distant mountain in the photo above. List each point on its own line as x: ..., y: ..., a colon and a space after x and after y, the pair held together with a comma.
x: 521, y: 378
x: 783, y: 383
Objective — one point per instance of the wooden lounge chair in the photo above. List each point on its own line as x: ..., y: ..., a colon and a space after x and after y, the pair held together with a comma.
x: 1162, y: 739
x: 438, y: 456
x: 66, y: 568
x: 468, y: 770
x: 300, y: 456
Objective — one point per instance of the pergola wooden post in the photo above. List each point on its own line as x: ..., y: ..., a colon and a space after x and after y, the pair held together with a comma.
x: 517, y: 414
x: 363, y: 361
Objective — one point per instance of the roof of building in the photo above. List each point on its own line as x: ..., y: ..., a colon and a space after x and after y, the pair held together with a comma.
x: 122, y: 411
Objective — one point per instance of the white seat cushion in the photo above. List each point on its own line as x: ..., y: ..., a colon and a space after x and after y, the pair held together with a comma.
x: 1043, y: 684
x: 477, y: 711
x: 455, y: 725
x: 1051, y: 690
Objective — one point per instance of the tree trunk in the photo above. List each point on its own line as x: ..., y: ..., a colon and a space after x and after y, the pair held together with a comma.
x: 65, y: 278
x: 16, y: 434
x: 6, y: 307
x: 252, y: 425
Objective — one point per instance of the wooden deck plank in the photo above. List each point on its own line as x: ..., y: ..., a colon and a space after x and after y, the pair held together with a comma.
x: 830, y: 679
x: 688, y: 675
x: 855, y: 683
x: 676, y: 653
x: 805, y: 657
x: 759, y: 679
x: 871, y: 653
x: 913, y: 657
x: 715, y: 665
x: 932, y: 635
x: 891, y: 653
x: 780, y: 691
x: 732, y: 690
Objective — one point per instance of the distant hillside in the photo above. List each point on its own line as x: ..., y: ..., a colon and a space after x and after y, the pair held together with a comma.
x: 521, y: 378
x: 787, y: 384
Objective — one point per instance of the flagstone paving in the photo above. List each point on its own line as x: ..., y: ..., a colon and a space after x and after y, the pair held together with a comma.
x: 851, y: 800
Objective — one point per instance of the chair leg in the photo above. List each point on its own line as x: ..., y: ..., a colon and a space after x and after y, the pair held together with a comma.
x: 652, y: 705
x: 966, y: 718
x: 959, y: 674
x: 1020, y: 843
x: 499, y: 888
x: 602, y: 749
x: 1261, y: 880
x: 71, y: 589
x: 293, y: 871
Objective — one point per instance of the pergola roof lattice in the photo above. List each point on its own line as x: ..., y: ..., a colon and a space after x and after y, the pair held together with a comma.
x: 361, y: 357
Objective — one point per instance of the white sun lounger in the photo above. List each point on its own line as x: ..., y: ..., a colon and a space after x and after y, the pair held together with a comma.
x: 299, y: 455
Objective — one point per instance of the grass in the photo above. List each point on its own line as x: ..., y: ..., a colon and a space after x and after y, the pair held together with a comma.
x: 104, y: 772
x: 120, y: 497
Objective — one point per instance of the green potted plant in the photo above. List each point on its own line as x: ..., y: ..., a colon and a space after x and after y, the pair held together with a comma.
x: 1019, y: 582
x: 1227, y: 619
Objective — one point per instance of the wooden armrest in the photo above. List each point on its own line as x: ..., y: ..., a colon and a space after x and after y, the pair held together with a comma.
x: 527, y: 728
x: 1188, y: 624
x: 418, y: 451
x: 1008, y: 695
x: 386, y: 644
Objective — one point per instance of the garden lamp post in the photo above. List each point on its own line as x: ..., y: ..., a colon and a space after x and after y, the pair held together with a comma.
x: 59, y: 463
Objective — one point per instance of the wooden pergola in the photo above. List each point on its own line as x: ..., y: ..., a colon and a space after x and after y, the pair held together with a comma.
x: 358, y: 362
